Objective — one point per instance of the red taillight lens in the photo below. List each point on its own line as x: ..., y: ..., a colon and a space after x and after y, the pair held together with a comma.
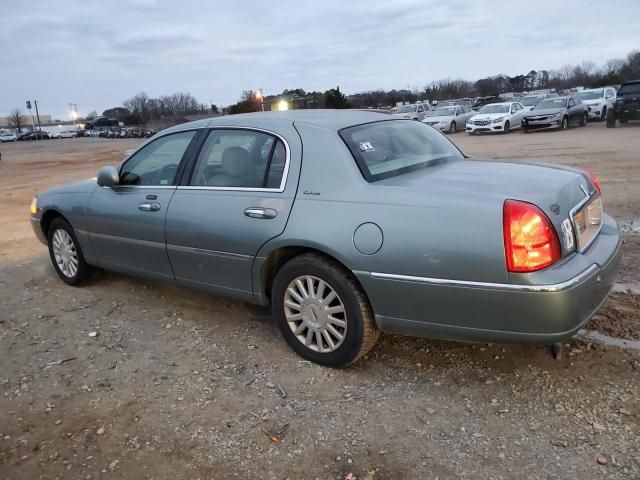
x: 594, y: 179
x: 530, y: 241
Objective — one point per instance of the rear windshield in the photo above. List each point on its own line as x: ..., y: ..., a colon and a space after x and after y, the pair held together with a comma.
x: 627, y: 89
x: 390, y: 148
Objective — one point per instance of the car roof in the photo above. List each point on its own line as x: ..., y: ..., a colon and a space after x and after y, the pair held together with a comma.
x: 632, y: 82
x: 331, y: 119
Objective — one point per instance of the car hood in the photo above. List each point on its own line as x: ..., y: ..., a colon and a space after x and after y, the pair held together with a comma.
x: 546, y: 111
x: 554, y: 189
x: 404, y: 115
x: 488, y: 116
x: 597, y: 101
x: 439, y: 118
x: 82, y: 186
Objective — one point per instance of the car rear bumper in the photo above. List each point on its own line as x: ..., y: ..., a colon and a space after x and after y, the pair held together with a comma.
x: 533, y: 311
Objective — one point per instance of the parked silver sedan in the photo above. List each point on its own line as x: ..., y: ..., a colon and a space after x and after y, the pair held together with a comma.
x: 347, y: 223
x: 450, y: 118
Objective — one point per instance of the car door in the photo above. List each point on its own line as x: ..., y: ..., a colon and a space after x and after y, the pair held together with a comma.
x: 238, y: 196
x: 126, y: 222
x: 574, y: 111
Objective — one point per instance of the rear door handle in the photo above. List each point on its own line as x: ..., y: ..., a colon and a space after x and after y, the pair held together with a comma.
x: 149, y: 207
x: 266, y: 213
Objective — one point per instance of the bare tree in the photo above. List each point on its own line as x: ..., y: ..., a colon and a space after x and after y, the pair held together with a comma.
x: 15, y: 119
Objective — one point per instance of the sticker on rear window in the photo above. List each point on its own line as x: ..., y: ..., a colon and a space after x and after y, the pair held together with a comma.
x: 365, y: 146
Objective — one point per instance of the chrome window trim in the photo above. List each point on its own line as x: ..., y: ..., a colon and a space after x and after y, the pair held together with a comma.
x: 553, y: 287
x: 285, y: 171
x: 574, y: 211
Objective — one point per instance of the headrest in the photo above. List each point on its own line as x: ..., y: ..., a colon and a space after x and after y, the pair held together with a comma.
x: 236, y: 162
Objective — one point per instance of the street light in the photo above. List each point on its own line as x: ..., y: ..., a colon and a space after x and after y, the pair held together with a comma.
x: 260, y: 96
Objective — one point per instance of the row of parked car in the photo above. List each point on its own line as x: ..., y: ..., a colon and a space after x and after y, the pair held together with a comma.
x: 7, y: 136
x: 532, y: 112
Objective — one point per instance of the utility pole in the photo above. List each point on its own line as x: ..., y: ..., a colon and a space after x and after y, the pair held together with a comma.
x: 37, y: 115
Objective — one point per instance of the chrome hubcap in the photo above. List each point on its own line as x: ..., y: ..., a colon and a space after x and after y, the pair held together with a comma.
x: 315, y: 313
x: 64, y: 252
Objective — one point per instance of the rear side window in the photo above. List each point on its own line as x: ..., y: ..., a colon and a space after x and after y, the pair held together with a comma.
x: 240, y: 159
x: 390, y: 148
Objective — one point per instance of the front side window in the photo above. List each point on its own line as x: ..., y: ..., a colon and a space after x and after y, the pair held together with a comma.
x: 157, y: 162
x: 390, y: 148
x: 240, y: 159
x: 572, y: 102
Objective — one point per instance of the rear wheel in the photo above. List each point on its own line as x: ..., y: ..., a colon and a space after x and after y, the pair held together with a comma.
x: 66, y: 254
x: 322, y: 312
x: 507, y: 127
x: 453, y: 128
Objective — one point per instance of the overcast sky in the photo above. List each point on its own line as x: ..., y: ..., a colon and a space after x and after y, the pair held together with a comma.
x: 97, y: 54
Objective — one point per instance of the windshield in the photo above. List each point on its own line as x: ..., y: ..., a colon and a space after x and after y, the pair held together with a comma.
x: 390, y: 148
x: 590, y: 94
x: 627, y: 89
x: 444, y: 112
x: 551, y: 103
x: 495, y: 109
x: 530, y: 101
x: 407, y: 109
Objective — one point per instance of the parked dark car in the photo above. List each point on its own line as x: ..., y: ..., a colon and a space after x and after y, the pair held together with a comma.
x: 627, y: 105
x: 34, y: 136
x: 556, y: 113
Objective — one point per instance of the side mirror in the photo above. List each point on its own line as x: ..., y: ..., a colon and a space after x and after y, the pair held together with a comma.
x: 108, y: 177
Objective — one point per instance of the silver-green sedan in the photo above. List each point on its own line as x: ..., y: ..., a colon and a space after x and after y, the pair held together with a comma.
x: 347, y: 223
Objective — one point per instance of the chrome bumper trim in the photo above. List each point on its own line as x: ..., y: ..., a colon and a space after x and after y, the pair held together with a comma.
x: 554, y: 287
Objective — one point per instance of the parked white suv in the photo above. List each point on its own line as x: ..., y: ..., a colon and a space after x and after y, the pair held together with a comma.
x: 496, y: 117
x: 598, y: 101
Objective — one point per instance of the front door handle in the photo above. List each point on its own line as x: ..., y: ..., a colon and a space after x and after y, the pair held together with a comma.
x: 149, y: 207
x: 266, y: 213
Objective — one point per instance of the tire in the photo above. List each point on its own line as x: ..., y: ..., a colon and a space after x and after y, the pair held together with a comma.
x: 603, y: 115
x: 359, y: 333
x: 61, y: 233
x: 507, y: 127
x: 472, y: 133
x: 611, y: 119
x: 453, y: 128
x: 624, y: 120
x: 525, y: 130
x: 584, y: 120
x: 565, y: 123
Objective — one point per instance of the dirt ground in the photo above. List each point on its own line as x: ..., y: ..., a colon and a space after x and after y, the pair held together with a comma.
x: 126, y: 378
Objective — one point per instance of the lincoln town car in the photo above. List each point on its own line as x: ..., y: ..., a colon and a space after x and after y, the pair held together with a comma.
x: 348, y: 224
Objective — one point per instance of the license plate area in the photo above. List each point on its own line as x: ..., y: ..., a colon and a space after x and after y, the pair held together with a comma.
x: 587, y: 222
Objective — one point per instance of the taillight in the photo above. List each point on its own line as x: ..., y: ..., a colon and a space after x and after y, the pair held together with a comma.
x: 530, y: 241
x: 594, y: 179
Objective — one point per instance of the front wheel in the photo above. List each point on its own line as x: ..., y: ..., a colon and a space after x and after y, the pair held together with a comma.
x: 66, y: 254
x: 322, y: 312
x: 611, y: 119
x: 565, y: 123
x: 507, y: 127
x: 603, y: 115
x: 453, y: 128
x: 584, y: 120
